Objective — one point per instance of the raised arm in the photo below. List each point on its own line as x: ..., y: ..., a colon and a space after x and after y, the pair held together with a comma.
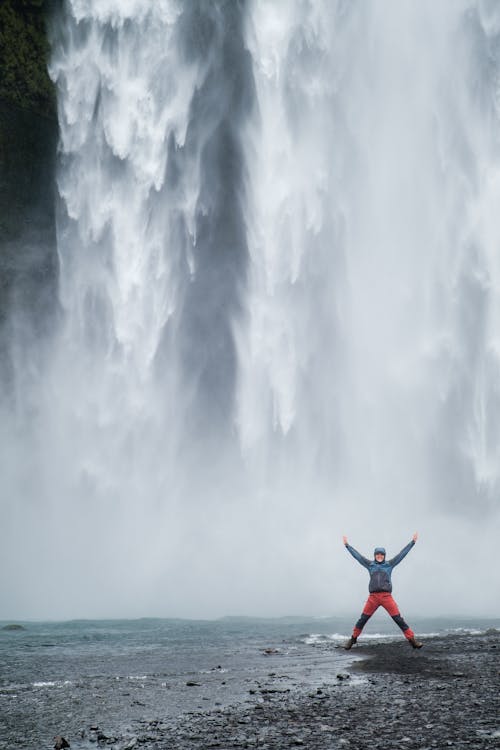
x: 357, y: 556
x: 397, y: 559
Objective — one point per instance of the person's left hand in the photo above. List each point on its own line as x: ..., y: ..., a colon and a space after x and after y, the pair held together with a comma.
x: 415, y: 536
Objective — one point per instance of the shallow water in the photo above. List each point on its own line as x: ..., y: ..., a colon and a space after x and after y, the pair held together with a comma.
x: 63, y: 678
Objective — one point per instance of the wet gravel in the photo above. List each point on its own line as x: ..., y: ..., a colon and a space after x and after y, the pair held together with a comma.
x: 445, y: 695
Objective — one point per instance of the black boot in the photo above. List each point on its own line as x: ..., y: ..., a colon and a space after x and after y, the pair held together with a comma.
x: 414, y: 644
x: 350, y: 643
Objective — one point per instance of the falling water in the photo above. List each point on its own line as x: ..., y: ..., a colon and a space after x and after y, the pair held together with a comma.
x: 279, y: 309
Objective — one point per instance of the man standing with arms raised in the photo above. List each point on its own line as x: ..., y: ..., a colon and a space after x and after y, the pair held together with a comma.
x: 380, y: 589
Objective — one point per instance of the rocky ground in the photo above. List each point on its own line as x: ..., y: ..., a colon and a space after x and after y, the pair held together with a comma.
x: 445, y: 695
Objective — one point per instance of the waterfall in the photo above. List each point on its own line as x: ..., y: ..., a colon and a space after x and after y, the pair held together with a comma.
x: 364, y: 243
x: 279, y: 317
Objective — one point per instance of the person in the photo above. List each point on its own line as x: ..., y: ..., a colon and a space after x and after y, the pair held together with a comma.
x: 380, y: 589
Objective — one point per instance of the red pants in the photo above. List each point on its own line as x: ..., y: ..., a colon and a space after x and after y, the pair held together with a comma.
x: 382, y: 599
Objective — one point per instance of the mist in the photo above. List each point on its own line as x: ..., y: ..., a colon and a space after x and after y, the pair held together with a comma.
x: 277, y: 316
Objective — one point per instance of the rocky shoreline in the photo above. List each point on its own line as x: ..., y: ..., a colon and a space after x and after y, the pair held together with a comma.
x: 445, y: 695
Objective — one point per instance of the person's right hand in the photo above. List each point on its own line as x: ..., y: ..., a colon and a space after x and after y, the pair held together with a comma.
x: 344, y: 539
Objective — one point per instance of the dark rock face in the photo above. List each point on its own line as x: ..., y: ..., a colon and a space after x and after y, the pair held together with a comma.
x: 28, y: 256
x: 27, y: 163
x: 27, y: 159
x: 28, y: 140
x: 24, y: 52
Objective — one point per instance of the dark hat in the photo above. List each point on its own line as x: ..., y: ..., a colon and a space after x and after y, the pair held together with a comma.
x: 379, y: 551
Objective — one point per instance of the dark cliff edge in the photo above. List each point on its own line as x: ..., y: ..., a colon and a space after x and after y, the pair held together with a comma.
x: 28, y: 143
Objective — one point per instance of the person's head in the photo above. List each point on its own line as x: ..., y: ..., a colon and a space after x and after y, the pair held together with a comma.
x: 379, y: 554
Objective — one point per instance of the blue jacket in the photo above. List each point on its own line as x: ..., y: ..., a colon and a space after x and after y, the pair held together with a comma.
x: 380, y: 573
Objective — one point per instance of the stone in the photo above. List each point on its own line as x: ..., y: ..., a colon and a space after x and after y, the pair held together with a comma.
x: 13, y: 627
